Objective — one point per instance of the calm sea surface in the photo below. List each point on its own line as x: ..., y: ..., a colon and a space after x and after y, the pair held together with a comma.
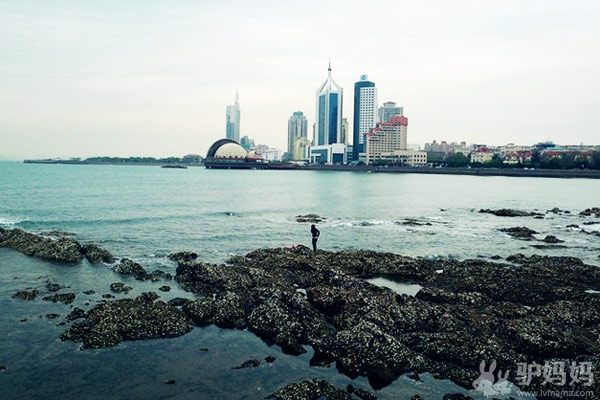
x: 145, y: 213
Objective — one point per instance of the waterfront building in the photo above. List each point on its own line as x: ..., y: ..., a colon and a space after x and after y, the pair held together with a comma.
x: 482, y: 155
x: 232, y: 120
x: 301, y: 149
x: 272, y: 155
x: 389, y: 110
x: 297, y: 128
x: 335, y: 153
x: 328, y: 124
x: 247, y: 143
x: 386, y: 137
x: 228, y: 154
x: 365, y: 113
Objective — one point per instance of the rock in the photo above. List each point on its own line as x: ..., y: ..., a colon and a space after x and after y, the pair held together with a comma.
x: 595, y: 211
x: 310, y: 218
x: 527, y: 308
x: 177, y: 302
x: 506, y: 212
x: 165, y: 288
x: 120, y: 287
x: 310, y: 390
x: 520, y: 232
x: 65, y: 298
x: 61, y: 249
x: 170, y: 381
x: 552, y: 239
x: 183, y: 256
x: 128, y: 267
x: 360, y: 393
x: 52, y: 316
x: 112, y: 322
x: 95, y: 254
x: 270, y: 359
x: 456, y: 396
x: 26, y: 294
x: 248, y: 364
x: 76, y: 313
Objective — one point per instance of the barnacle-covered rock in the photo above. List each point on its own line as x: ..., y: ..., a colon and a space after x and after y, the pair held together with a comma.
x: 112, y: 322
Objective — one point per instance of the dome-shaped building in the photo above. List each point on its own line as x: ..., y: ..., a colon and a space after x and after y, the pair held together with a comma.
x: 229, y: 154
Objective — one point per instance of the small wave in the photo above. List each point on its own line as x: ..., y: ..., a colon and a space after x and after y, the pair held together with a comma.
x: 10, y: 221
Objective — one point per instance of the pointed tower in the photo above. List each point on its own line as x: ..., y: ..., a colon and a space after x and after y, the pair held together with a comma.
x: 328, y: 125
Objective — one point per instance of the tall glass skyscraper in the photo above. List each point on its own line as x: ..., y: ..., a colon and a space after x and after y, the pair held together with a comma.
x: 232, y: 120
x: 328, y: 125
x: 365, y: 113
x: 297, y: 128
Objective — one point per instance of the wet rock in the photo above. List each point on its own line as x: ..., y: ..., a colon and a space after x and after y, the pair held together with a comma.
x: 594, y: 211
x: 159, y: 275
x: 456, y: 396
x: 310, y: 390
x: 270, y: 359
x: 52, y: 316
x: 165, y: 288
x: 112, y: 322
x: 170, y: 381
x: 55, y: 249
x: 89, y: 292
x: 507, y: 212
x: 54, y: 287
x: 552, y: 239
x: 520, y: 232
x: 360, y: 393
x: 65, y: 298
x: 76, y: 313
x: 95, y: 254
x: 26, y: 294
x: 128, y: 267
x: 529, y: 308
x: 248, y: 364
x: 120, y: 287
x: 148, y: 297
x: 177, y: 302
x: 183, y: 256
x: 310, y: 218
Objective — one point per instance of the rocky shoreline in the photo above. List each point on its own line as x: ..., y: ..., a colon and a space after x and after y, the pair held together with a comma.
x: 513, y: 311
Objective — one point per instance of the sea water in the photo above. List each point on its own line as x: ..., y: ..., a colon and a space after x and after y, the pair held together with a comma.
x: 145, y: 213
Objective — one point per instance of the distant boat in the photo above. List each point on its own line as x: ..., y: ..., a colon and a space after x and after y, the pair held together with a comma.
x: 174, y: 166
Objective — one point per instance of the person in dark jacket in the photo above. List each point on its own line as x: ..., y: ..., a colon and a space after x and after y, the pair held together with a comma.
x: 315, y: 236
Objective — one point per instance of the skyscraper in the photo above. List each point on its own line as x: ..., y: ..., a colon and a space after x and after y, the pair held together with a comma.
x: 389, y: 110
x: 329, y: 112
x: 365, y: 113
x: 232, y: 120
x: 297, y: 128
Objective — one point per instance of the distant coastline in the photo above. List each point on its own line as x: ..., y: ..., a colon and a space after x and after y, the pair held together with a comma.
x: 515, y: 172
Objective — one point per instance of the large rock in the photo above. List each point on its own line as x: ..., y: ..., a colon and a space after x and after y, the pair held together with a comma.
x: 56, y: 249
x: 112, y: 322
x: 52, y: 247
x: 526, y: 309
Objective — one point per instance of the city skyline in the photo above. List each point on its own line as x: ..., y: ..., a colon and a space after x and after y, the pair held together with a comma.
x: 121, y: 79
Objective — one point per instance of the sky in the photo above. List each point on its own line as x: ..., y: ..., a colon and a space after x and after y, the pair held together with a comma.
x: 83, y: 78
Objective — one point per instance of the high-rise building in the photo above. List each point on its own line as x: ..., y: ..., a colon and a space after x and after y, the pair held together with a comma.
x: 344, y: 138
x: 232, y: 120
x: 297, y: 128
x: 389, y: 110
x: 328, y: 128
x: 386, y: 137
x: 365, y: 113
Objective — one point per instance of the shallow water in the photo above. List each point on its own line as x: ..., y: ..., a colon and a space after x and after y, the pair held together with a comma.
x: 145, y: 213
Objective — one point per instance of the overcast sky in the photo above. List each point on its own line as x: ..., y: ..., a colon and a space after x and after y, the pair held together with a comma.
x: 126, y: 78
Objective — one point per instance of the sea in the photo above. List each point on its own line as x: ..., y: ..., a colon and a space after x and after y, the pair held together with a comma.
x: 144, y: 213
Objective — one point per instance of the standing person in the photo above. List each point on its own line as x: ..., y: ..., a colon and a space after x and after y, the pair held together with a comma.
x: 315, y: 236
